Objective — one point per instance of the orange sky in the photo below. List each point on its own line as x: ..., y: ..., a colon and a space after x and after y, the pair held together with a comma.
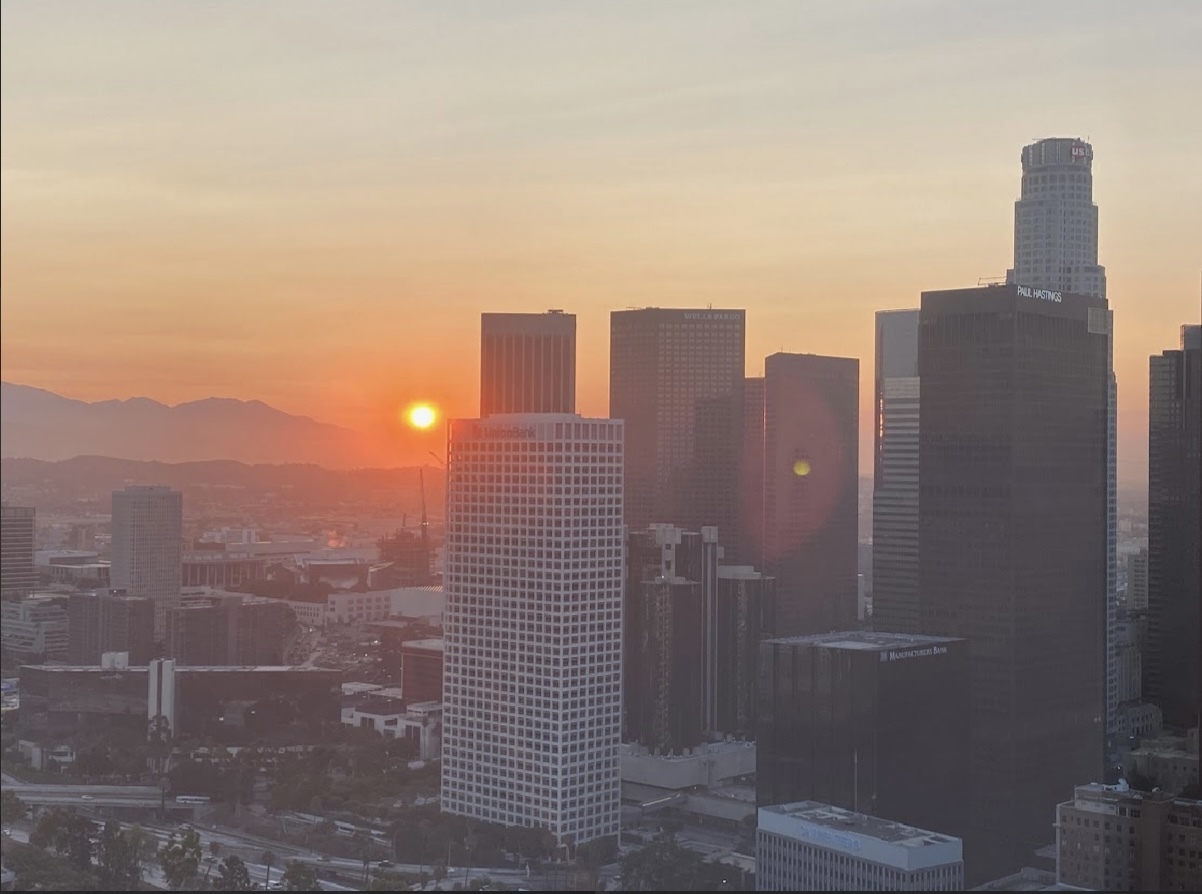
x: 311, y: 204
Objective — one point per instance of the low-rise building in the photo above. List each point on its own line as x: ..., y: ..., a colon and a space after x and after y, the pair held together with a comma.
x: 1112, y: 838
x: 419, y: 722
x: 809, y: 846
x: 34, y: 628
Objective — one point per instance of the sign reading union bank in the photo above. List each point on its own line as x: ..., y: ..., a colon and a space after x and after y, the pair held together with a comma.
x: 502, y: 431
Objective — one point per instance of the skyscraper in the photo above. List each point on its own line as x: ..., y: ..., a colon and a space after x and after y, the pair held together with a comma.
x: 527, y: 363
x: 676, y: 378
x: 895, y: 591
x: 1174, y: 429
x: 745, y: 615
x: 811, y: 490
x: 110, y: 621
x: 1056, y: 248
x: 1013, y: 517
x: 533, y: 623
x: 147, y: 547
x: 17, y: 575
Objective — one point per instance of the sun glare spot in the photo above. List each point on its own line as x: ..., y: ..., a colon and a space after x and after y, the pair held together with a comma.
x: 422, y: 416
x: 801, y: 468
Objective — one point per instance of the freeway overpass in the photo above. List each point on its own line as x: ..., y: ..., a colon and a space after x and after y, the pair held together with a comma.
x: 142, y: 796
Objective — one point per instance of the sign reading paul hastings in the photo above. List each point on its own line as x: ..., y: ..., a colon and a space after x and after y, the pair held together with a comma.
x: 898, y: 654
x: 502, y: 431
x: 1041, y: 294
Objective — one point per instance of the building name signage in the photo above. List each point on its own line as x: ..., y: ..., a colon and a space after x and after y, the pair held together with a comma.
x: 914, y: 653
x: 826, y: 838
x: 1041, y: 294
x: 712, y: 316
x: 504, y: 431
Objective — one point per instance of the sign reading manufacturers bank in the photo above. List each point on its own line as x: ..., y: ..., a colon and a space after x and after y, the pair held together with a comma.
x: 901, y: 654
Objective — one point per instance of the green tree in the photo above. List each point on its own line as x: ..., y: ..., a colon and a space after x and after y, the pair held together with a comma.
x: 268, y: 859
x: 664, y: 865
x: 37, y: 870
x: 120, y: 865
x: 232, y: 875
x: 12, y: 807
x: 68, y: 834
x: 180, y: 858
x: 299, y: 877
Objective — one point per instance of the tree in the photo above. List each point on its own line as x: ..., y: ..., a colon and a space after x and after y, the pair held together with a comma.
x: 69, y: 834
x: 180, y: 858
x: 13, y: 808
x: 268, y: 859
x: 232, y: 875
x: 299, y: 876
x: 37, y: 870
x: 117, y: 855
x: 666, y: 866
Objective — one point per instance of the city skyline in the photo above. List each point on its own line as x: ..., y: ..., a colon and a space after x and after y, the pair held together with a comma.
x: 427, y: 159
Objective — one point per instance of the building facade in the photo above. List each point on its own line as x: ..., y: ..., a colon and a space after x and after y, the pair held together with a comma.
x: 676, y: 379
x: 1013, y: 522
x: 533, y: 622
x: 745, y: 610
x: 422, y: 669
x: 527, y: 363
x: 870, y: 722
x: 811, y: 490
x: 810, y: 846
x: 110, y: 621
x: 895, y: 474
x: 18, y: 577
x: 1171, y: 666
x: 147, y: 546
x: 34, y: 628
x: 1111, y: 838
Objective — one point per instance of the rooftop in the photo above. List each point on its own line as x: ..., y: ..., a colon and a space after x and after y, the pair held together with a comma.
x: 180, y: 669
x: 865, y: 641
x: 840, y: 820
x: 1027, y: 879
x: 432, y: 644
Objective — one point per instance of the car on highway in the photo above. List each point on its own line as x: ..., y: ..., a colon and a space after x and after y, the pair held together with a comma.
x: 86, y: 797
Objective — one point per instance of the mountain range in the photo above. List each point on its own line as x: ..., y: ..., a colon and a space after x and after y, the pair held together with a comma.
x: 39, y: 424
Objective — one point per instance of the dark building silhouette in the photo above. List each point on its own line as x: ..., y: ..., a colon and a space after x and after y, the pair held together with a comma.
x: 670, y: 576
x: 751, y: 476
x: 894, y: 569
x: 676, y: 378
x: 810, y: 534
x: 18, y: 577
x: 1170, y: 662
x: 421, y: 670
x: 1013, y: 524
x: 745, y: 612
x: 222, y: 629
x: 871, y: 722
x: 110, y: 621
x: 527, y: 363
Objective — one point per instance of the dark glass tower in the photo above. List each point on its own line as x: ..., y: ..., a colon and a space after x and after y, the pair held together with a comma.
x: 1013, y: 522
x: 895, y: 474
x: 1170, y: 663
x: 527, y: 363
x: 872, y: 722
x: 676, y: 377
x: 810, y: 486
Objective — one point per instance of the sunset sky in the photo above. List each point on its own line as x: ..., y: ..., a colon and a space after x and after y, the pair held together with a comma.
x: 311, y: 203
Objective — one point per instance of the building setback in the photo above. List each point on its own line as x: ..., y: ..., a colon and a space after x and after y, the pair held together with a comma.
x: 1013, y: 522
x: 810, y: 846
x: 811, y: 490
x: 676, y: 378
x: 527, y: 363
x: 895, y: 474
x: 871, y: 722
x: 1171, y: 667
x: 533, y: 622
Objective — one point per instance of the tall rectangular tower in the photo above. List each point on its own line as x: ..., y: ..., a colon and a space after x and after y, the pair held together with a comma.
x: 1013, y: 522
x: 895, y: 591
x: 811, y: 490
x: 17, y: 575
x: 1174, y: 429
x: 676, y: 378
x: 527, y: 363
x: 147, y: 547
x: 533, y: 623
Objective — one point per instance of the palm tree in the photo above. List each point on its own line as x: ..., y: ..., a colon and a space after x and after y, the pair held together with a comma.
x: 268, y: 859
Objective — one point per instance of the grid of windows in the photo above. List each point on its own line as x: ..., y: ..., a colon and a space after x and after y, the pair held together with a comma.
x: 533, y: 622
x: 787, y: 864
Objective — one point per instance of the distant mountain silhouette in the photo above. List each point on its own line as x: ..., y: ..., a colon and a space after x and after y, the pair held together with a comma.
x: 40, y: 424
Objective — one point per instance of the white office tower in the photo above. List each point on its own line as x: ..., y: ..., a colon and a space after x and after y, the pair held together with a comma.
x: 147, y: 548
x: 533, y: 578
x: 810, y: 846
x: 1056, y: 248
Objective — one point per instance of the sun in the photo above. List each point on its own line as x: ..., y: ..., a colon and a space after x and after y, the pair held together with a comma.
x: 422, y: 416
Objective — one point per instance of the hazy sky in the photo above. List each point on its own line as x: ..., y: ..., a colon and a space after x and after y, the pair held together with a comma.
x: 311, y: 203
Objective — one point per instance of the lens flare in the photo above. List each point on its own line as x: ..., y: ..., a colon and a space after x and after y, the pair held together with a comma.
x: 422, y: 416
x: 801, y: 468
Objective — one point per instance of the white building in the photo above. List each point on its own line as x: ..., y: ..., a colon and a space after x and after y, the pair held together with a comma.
x: 420, y: 722
x: 34, y: 628
x: 147, y: 547
x: 808, y: 846
x: 533, y: 623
